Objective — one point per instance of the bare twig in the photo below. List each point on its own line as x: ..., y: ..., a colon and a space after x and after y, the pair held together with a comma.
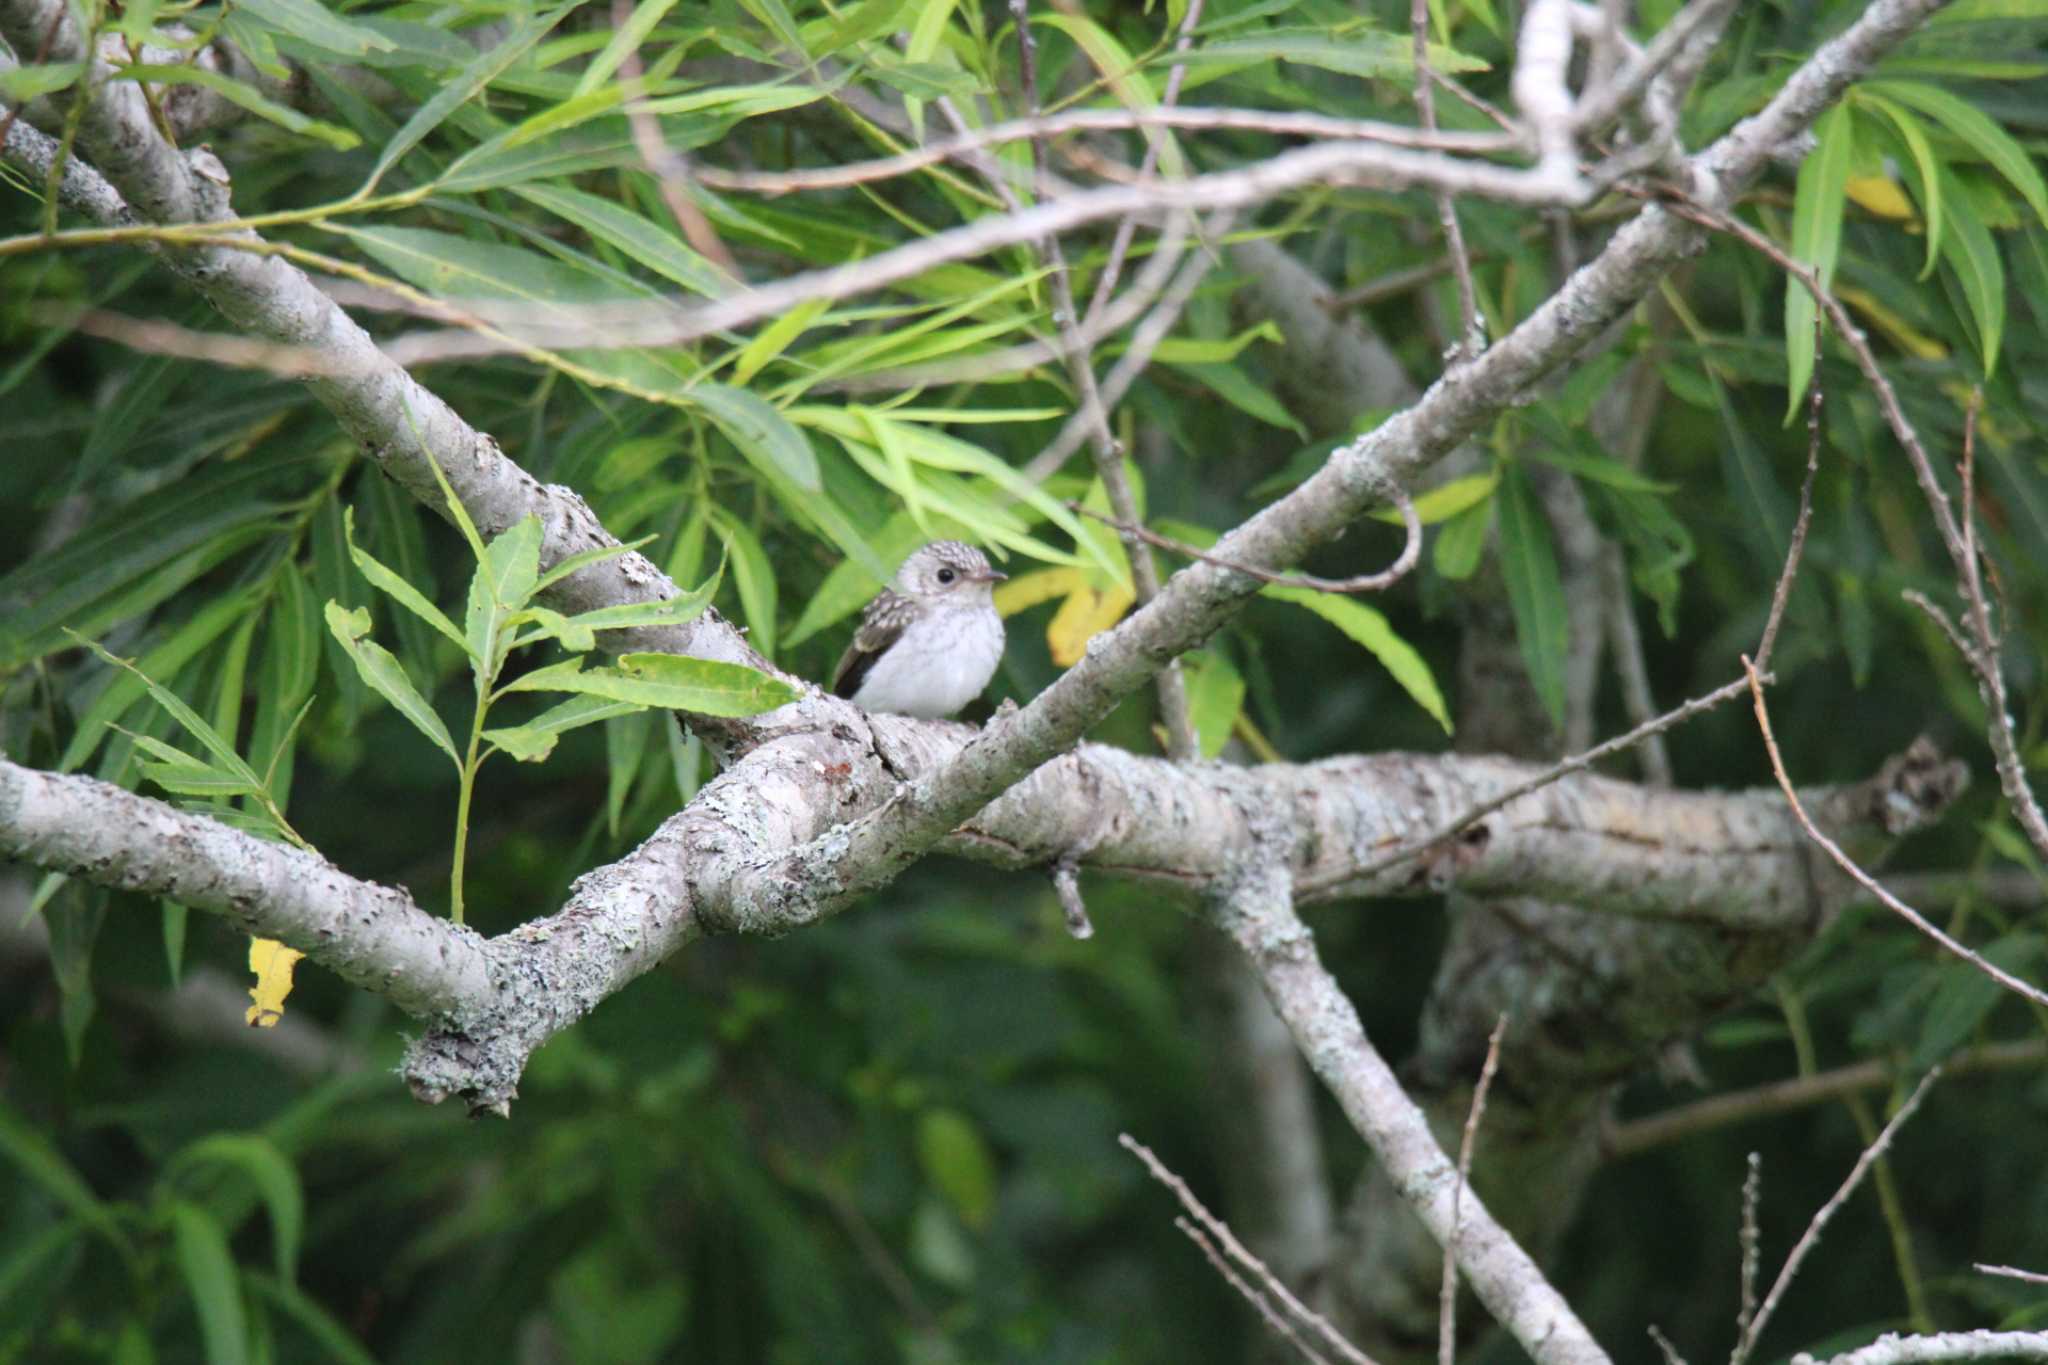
x: 1220, y: 1230
x: 1284, y: 123
x: 1543, y: 54
x: 1451, y: 829
x: 1981, y: 652
x: 1602, y: 105
x: 1892, y: 1349
x: 1145, y: 339
x: 669, y: 167
x: 1664, y: 1346
x: 1120, y: 245
x: 1811, y: 1237
x: 154, y: 336
x: 1411, y: 552
x: 2011, y: 1272
x: 1280, y: 1326
x: 1471, y: 340
x: 1783, y: 592
x: 1801, y: 1092
x: 1751, y: 1239
x: 1170, y: 684
x: 1864, y: 879
x: 1447, y: 1306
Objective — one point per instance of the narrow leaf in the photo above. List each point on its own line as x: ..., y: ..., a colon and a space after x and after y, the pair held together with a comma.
x: 1816, y: 240
x: 380, y: 669
x: 1535, y: 590
x: 395, y: 587
x: 209, y: 1271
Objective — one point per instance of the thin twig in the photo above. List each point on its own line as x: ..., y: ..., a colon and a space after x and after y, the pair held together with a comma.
x: 1783, y: 593
x: 1664, y: 1346
x: 1451, y: 829
x: 1751, y: 1240
x: 1281, y: 1327
x: 1800, y: 1092
x: 1471, y: 340
x: 1600, y: 106
x: 1225, y: 1238
x: 1120, y: 245
x: 1447, y: 1306
x: 1411, y: 551
x: 669, y: 167
x: 1144, y: 340
x: 1281, y: 122
x: 1170, y: 684
x: 1811, y: 1238
x: 1983, y: 658
x: 1864, y: 879
x: 2010, y: 1272
x: 1893, y: 1349
x: 154, y: 336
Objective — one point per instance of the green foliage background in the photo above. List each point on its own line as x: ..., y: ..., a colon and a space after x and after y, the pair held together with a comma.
x: 893, y: 1136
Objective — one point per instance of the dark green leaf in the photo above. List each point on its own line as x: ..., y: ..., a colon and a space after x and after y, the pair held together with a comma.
x: 209, y: 1271
x: 274, y: 1179
x: 1535, y: 591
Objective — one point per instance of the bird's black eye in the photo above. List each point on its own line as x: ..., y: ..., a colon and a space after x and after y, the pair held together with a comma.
x: 947, y: 575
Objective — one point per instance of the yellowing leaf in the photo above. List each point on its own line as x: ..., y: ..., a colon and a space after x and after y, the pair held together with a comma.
x: 1879, y: 194
x: 1446, y: 500
x: 1027, y: 590
x: 1903, y: 334
x: 1084, y: 615
x: 272, y: 962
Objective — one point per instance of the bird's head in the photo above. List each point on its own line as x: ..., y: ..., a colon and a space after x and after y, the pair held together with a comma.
x: 947, y: 570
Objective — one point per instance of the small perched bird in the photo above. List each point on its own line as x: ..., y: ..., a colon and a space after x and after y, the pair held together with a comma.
x: 930, y: 641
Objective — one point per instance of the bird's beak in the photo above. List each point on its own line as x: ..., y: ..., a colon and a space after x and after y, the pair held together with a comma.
x: 992, y: 577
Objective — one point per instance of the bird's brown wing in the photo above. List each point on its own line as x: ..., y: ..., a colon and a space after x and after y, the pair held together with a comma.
x: 880, y: 625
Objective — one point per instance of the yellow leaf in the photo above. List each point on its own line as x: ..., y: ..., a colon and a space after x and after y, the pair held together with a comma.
x: 1903, y: 335
x: 1086, y: 613
x: 272, y: 962
x: 1027, y: 590
x: 1446, y: 500
x: 1879, y: 194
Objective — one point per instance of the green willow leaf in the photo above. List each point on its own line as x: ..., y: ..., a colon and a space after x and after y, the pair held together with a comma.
x: 395, y: 587
x: 1535, y: 590
x: 1816, y: 240
x: 379, y: 668
x: 248, y: 97
x: 1972, y: 254
x: 1370, y: 629
x: 1976, y: 129
x: 1914, y: 136
x: 318, y: 24
x: 760, y: 433
x: 707, y: 686
x: 486, y: 68
x: 272, y: 1175
x: 209, y: 1270
x: 1215, y: 696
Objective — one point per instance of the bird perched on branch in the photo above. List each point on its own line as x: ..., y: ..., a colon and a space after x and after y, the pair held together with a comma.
x: 930, y: 641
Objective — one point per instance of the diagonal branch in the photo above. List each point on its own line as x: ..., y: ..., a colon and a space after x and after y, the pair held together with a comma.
x: 1257, y: 911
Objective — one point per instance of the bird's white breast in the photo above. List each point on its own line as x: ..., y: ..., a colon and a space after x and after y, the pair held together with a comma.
x: 941, y: 662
